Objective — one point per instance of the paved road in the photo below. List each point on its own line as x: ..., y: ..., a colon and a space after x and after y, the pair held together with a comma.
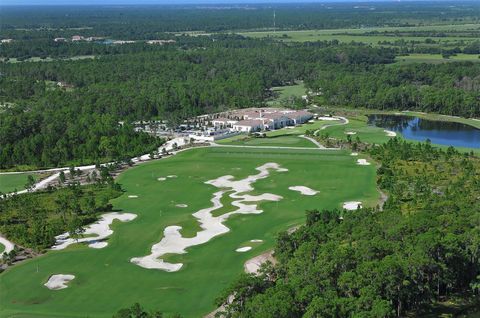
x: 42, y: 184
x: 319, y: 145
x: 345, y: 121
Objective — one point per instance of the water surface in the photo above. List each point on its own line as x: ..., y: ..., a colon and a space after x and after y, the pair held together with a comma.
x: 439, y: 132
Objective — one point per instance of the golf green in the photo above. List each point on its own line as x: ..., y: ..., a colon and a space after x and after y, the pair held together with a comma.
x: 106, y: 280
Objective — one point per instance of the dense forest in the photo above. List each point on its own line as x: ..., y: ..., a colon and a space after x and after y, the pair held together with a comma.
x: 42, y: 124
x: 421, y: 248
x: 450, y: 88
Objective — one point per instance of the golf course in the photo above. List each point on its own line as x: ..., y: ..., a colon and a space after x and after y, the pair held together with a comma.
x: 166, y: 193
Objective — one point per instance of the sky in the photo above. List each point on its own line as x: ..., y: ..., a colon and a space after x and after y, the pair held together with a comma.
x: 125, y: 2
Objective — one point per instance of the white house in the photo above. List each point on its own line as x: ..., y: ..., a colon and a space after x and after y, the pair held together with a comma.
x: 249, y: 125
x: 300, y: 117
x: 223, y: 122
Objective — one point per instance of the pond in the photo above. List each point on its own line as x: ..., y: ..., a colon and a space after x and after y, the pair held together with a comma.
x: 439, y: 132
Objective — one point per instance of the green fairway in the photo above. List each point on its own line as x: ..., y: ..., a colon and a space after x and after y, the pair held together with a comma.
x: 285, y: 92
x: 358, y: 126
x: 12, y: 182
x: 286, y: 140
x: 105, y: 280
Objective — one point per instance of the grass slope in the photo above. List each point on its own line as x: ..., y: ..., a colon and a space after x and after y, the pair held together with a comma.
x: 106, y: 280
x: 11, y: 182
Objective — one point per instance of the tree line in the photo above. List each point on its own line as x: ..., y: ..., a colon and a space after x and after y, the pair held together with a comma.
x: 449, y: 88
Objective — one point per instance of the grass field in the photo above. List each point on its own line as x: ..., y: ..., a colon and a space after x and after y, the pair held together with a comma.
x: 12, y: 182
x: 270, y: 140
x: 106, y: 280
x: 359, y: 35
x: 284, y: 92
x: 436, y: 58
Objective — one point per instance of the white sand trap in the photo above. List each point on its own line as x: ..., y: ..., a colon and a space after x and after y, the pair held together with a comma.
x: 172, y: 176
x: 352, y: 205
x: 58, y: 281
x: 98, y: 244
x: 328, y: 118
x: 133, y: 196
x: 243, y: 249
x: 96, y: 232
x: 256, y: 241
x: 181, y: 205
x: 350, y: 133
x: 390, y: 133
x: 162, y: 179
x: 9, y: 246
x: 363, y: 162
x: 303, y: 190
x: 212, y: 226
x: 354, y: 154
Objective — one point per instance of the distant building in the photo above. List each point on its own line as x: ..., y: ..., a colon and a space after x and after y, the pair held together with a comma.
x: 94, y: 38
x: 161, y: 42
x: 7, y: 40
x: 60, y: 40
x: 76, y: 38
x: 123, y: 42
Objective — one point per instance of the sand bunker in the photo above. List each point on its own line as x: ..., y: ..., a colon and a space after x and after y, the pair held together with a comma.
x: 352, y: 205
x: 390, y: 133
x: 354, y: 154
x: 174, y: 243
x: 172, y: 176
x: 363, y: 162
x: 328, y: 118
x: 350, y: 133
x: 181, y: 205
x: 243, y: 249
x: 252, y: 266
x: 9, y: 246
x: 161, y: 179
x: 256, y: 241
x: 133, y: 196
x: 303, y: 190
x: 96, y: 232
x: 58, y: 281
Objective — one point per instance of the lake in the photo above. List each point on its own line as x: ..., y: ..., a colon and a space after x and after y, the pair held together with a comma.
x: 439, y: 132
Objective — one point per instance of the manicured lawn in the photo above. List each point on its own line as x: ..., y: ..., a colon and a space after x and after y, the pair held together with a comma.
x: 358, y: 125
x: 275, y: 140
x: 11, y: 182
x: 106, y: 280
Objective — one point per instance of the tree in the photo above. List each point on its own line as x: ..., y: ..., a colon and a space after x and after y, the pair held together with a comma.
x: 30, y: 185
